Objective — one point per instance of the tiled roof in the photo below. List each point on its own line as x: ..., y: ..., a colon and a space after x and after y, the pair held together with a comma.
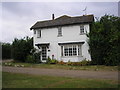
x: 63, y: 20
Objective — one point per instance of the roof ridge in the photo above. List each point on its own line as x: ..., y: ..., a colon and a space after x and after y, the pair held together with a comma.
x: 83, y: 15
x: 63, y: 16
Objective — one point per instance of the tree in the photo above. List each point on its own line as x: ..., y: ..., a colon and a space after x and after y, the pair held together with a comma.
x: 104, y: 40
x: 21, y: 48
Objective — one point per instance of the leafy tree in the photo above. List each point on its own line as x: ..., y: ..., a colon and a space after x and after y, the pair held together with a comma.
x: 21, y: 48
x: 104, y: 40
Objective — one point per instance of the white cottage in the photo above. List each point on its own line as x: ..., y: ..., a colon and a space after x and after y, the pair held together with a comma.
x: 63, y: 38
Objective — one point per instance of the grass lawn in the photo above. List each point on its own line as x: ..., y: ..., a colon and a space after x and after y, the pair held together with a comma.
x: 57, y: 66
x: 14, y: 80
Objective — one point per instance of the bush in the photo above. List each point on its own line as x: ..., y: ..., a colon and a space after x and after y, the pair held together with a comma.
x: 30, y: 59
x: 48, y: 60
x: 51, y: 61
x: 84, y: 62
x: 61, y: 63
x: 36, y: 57
x: 69, y: 63
x: 76, y: 63
x: 81, y: 63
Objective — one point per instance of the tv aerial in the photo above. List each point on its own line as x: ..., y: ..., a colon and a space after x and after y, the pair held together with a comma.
x: 85, y: 10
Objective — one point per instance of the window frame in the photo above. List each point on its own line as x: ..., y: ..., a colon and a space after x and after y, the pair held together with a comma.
x: 34, y: 31
x: 59, y: 31
x: 38, y: 33
x: 79, y: 50
x: 71, y: 50
x: 74, y: 50
x: 82, y: 29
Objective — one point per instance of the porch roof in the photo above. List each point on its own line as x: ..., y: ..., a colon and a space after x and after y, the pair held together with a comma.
x: 67, y: 43
x: 42, y: 44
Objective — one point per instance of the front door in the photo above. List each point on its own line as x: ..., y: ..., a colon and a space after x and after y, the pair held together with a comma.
x: 44, y: 53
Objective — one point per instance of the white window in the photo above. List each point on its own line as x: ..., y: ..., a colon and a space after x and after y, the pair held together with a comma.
x: 34, y: 31
x: 38, y: 33
x: 79, y: 50
x: 59, y: 31
x: 66, y: 51
x: 74, y: 50
x: 82, y: 29
x: 71, y: 50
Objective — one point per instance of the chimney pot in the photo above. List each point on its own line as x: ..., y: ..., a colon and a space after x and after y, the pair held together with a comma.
x: 53, y: 17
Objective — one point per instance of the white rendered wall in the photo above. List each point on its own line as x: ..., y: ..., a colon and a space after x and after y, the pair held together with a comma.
x: 69, y: 34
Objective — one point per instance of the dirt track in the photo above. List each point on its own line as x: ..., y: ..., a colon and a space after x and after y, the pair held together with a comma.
x: 113, y: 75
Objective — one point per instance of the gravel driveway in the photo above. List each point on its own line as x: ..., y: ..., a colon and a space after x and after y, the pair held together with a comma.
x: 113, y: 75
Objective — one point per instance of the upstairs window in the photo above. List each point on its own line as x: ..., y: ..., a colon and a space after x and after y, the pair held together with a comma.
x: 38, y: 33
x: 82, y: 31
x: 34, y: 31
x: 59, y: 31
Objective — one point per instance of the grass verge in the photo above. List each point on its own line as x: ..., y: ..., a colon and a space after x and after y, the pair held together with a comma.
x: 67, y: 67
x: 15, y: 80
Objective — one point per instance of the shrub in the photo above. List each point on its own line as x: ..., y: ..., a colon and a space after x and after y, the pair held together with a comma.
x: 36, y: 57
x: 81, y: 63
x: 76, y: 63
x: 84, y: 62
x: 69, y: 63
x: 48, y: 60
x: 61, y: 62
x: 51, y: 61
x: 30, y: 59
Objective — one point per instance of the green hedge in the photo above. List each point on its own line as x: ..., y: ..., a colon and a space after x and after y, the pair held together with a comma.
x: 6, y: 51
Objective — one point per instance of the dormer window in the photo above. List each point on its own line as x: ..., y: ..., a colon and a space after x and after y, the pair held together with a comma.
x: 82, y: 29
x: 59, y: 31
x: 38, y: 33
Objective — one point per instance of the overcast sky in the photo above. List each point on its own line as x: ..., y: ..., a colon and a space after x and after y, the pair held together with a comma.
x: 18, y: 17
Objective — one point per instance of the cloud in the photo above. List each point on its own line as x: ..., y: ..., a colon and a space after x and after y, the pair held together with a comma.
x: 102, y: 8
x: 18, y: 17
x: 14, y: 25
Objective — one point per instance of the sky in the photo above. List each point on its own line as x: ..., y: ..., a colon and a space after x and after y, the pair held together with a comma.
x: 18, y: 17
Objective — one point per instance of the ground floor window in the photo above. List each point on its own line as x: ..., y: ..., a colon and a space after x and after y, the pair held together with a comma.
x: 71, y: 50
